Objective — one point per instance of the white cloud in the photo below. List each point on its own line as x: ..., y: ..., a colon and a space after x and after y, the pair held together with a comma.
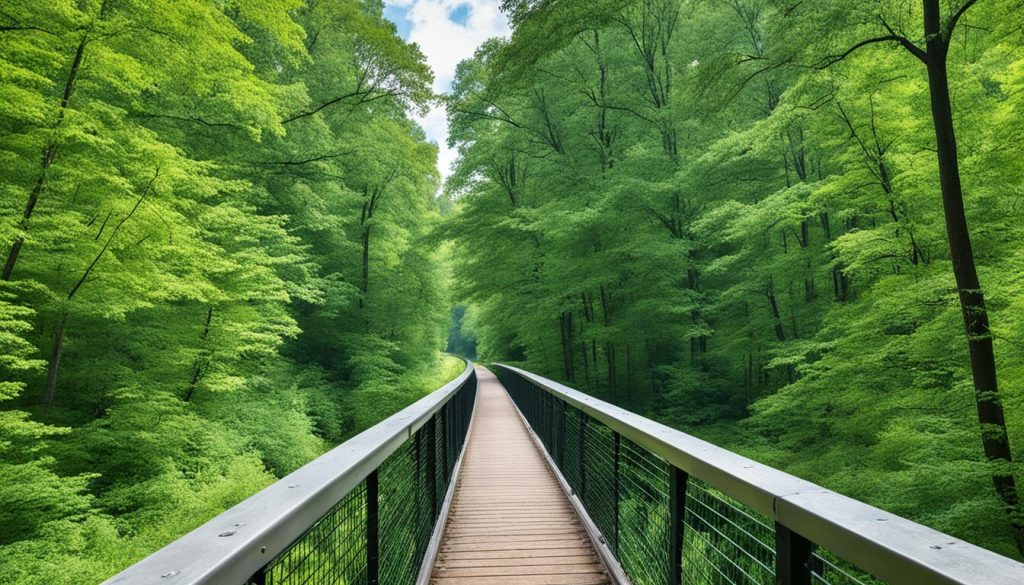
x: 445, y: 43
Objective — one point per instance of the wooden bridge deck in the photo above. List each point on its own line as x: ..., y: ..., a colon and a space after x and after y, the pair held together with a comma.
x: 509, y: 521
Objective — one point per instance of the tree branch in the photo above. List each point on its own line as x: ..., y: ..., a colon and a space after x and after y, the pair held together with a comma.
x: 13, y: 28
x: 916, y: 51
x: 196, y: 120
x: 306, y: 161
x: 363, y: 98
x: 486, y: 116
x: 832, y: 60
x: 13, y: 25
x: 956, y: 18
x: 103, y: 250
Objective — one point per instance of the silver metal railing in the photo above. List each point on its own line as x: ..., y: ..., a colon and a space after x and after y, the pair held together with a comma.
x: 363, y: 512
x: 738, y: 521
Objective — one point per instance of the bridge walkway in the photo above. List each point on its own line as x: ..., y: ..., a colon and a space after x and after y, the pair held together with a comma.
x: 510, y: 522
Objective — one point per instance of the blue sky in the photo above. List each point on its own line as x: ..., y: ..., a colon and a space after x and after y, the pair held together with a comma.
x: 447, y: 32
x: 397, y: 15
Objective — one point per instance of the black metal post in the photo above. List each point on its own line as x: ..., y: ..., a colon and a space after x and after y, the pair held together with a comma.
x: 792, y: 557
x: 545, y: 419
x: 260, y: 578
x: 455, y: 426
x: 432, y: 466
x: 550, y: 413
x: 417, y: 448
x: 538, y: 421
x: 466, y: 395
x: 372, y: 528
x: 445, y: 438
x: 549, y: 420
x: 678, y: 480
x: 527, y: 397
x: 538, y: 417
x: 561, y: 435
x: 583, y: 455
x: 615, y: 486
x: 534, y: 402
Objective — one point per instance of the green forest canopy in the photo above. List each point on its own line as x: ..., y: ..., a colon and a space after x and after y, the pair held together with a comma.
x: 222, y: 251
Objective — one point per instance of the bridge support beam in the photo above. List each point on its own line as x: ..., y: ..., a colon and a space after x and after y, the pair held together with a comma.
x: 678, y: 479
x: 432, y: 467
x: 373, y: 528
x: 582, y: 456
x: 793, y: 557
x: 616, y: 490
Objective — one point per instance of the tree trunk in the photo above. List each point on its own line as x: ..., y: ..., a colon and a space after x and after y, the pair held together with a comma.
x: 698, y: 343
x: 364, y: 284
x: 629, y: 372
x: 568, y: 346
x: 53, y: 367
x: 49, y: 154
x: 750, y: 376
x: 609, y: 354
x: 586, y: 362
x: 773, y: 308
x: 202, y: 362
x: 840, y: 285
x: 994, y: 439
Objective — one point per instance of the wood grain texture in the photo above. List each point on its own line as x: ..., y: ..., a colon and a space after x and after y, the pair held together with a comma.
x: 510, y: 522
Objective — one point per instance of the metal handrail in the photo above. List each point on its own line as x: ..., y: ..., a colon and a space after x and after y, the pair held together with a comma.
x: 235, y: 545
x: 888, y: 546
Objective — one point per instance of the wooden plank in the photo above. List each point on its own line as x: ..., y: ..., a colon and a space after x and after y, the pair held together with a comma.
x: 513, y: 538
x: 516, y: 554
x: 510, y: 522
x: 586, y: 579
x: 586, y: 567
x: 514, y: 562
x: 498, y: 531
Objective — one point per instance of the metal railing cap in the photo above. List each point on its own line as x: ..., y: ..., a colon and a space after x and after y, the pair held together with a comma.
x: 894, y: 549
x: 890, y: 547
x: 236, y: 544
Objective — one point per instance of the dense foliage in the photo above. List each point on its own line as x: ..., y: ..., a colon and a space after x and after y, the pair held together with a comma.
x: 747, y: 218
x: 210, y: 220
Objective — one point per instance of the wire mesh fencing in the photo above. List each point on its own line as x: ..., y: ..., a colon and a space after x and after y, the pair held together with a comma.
x: 663, y: 526
x: 379, y: 531
x: 332, y: 551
